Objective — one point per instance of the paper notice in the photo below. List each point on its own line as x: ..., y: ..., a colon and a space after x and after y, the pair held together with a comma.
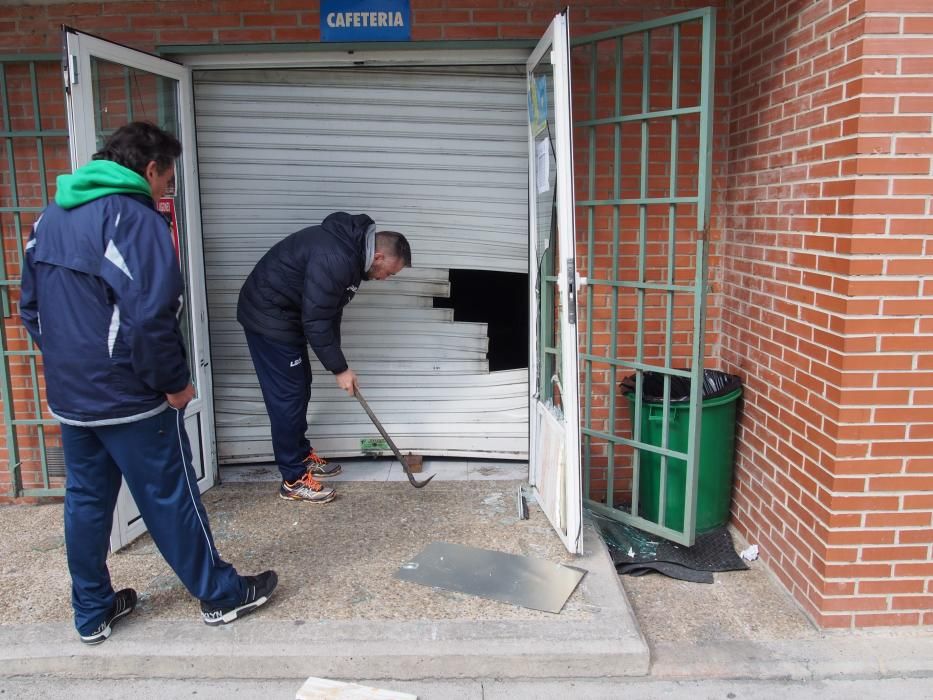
x: 543, y: 165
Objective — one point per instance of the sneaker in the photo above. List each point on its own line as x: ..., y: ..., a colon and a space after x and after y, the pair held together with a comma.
x: 320, y: 467
x: 123, y: 604
x: 307, y: 488
x: 258, y: 590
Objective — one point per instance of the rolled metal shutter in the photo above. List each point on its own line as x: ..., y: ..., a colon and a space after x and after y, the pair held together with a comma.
x: 438, y: 154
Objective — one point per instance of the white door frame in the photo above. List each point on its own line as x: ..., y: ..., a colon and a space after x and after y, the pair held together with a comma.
x: 556, y: 40
x: 554, y: 433
x: 356, y: 58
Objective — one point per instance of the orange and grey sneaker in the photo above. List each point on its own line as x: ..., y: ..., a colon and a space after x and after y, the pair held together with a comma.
x: 307, y: 488
x: 320, y: 467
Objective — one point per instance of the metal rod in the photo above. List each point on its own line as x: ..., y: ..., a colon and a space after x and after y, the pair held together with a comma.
x: 398, y: 455
x: 6, y: 387
x: 616, y: 251
x: 590, y: 243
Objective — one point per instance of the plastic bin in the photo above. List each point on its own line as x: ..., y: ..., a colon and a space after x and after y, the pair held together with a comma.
x: 721, y: 393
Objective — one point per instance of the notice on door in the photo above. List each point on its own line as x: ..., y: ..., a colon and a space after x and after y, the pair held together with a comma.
x: 543, y: 165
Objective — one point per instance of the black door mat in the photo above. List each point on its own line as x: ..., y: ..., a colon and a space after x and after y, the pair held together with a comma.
x: 636, y: 553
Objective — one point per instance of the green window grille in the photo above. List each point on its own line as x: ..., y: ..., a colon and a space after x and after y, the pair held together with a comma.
x: 34, y: 141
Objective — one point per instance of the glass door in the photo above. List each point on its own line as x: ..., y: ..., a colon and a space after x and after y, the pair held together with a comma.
x: 554, y: 450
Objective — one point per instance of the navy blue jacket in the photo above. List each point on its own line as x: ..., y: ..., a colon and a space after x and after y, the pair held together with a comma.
x: 100, y: 297
x: 297, y: 291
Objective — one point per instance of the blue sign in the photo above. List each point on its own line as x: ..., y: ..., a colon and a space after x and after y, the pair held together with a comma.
x: 365, y: 20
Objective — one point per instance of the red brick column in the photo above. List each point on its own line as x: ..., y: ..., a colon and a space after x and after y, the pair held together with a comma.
x: 828, y: 307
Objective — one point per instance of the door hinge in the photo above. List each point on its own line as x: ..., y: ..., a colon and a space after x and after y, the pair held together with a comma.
x: 72, y: 70
x: 571, y: 291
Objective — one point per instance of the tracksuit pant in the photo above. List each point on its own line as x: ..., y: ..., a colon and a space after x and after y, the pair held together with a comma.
x: 153, y: 456
x: 284, y: 375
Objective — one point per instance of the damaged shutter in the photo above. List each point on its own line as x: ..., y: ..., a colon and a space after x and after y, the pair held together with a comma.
x: 438, y: 154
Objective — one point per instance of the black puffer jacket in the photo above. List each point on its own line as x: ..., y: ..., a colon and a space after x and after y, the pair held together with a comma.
x: 298, y: 289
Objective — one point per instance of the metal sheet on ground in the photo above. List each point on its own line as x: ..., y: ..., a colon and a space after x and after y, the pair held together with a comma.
x: 508, y: 578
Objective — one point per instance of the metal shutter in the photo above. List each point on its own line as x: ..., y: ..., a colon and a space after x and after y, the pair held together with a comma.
x: 438, y: 154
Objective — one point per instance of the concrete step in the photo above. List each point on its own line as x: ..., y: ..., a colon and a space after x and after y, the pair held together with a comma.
x: 606, y: 643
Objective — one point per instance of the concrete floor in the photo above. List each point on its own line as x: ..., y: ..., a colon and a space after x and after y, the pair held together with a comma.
x: 339, y: 613
x: 335, y: 561
x: 336, y: 564
x: 737, y: 606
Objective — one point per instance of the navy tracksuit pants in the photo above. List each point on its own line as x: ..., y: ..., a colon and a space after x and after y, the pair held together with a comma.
x: 285, y: 379
x: 153, y: 455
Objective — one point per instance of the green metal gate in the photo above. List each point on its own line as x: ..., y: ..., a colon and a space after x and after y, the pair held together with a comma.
x: 644, y: 206
x: 34, y: 140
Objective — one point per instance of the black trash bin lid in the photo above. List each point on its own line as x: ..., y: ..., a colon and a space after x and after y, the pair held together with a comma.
x: 715, y: 384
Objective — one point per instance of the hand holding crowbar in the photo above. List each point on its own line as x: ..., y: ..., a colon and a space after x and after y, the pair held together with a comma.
x: 398, y: 455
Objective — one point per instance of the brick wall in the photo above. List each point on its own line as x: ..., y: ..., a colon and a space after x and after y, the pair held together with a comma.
x: 827, y: 280
x: 145, y: 24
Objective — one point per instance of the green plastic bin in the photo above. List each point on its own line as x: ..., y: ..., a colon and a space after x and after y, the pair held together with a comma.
x: 717, y: 454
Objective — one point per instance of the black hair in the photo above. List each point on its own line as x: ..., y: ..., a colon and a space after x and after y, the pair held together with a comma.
x: 137, y: 144
x: 395, y: 245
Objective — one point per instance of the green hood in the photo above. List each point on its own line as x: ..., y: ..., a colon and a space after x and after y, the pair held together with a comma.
x: 97, y: 179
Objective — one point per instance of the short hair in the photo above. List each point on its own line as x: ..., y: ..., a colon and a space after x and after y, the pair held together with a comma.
x: 394, y: 244
x: 137, y: 144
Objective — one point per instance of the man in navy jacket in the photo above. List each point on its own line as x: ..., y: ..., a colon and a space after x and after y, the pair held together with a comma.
x: 101, y: 291
x: 293, y: 298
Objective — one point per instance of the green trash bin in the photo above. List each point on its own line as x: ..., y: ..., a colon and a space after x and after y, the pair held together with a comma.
x: 721, y: 393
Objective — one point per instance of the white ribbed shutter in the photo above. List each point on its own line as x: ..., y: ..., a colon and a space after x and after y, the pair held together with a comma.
x: 438, y: 154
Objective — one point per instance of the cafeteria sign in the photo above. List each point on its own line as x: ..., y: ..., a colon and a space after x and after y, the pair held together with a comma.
x: 365, y: 20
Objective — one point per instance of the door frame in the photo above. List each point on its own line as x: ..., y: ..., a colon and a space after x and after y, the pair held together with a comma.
x: 569, y: 531
x: 554, y: 429
x: 186, y: 61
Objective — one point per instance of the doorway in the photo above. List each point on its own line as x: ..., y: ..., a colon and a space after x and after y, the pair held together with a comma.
x: 543, y: 177
x: 436, y: 152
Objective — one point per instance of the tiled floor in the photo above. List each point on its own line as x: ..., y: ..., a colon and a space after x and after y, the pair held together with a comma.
x: 368, y: 469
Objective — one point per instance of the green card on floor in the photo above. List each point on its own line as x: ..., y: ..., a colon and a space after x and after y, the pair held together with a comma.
x: 373, y: 445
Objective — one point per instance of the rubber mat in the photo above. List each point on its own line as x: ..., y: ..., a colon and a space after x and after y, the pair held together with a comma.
x: 677, y: 571
x: 636, y: 553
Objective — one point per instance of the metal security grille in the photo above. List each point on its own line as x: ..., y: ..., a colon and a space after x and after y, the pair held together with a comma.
x: 435, y: 152
x: 645, y: 132
x: 34, y: 151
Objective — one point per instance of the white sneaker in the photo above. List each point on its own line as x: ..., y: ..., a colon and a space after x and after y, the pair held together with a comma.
x: 307, y: 488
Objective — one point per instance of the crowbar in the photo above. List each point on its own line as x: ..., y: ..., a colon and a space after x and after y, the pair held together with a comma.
x: 382, y: 431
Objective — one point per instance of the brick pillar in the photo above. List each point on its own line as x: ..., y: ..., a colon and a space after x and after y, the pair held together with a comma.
x: 828, y: 301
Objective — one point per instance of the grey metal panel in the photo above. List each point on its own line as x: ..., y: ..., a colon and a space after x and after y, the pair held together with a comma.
x: 439, y: 154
